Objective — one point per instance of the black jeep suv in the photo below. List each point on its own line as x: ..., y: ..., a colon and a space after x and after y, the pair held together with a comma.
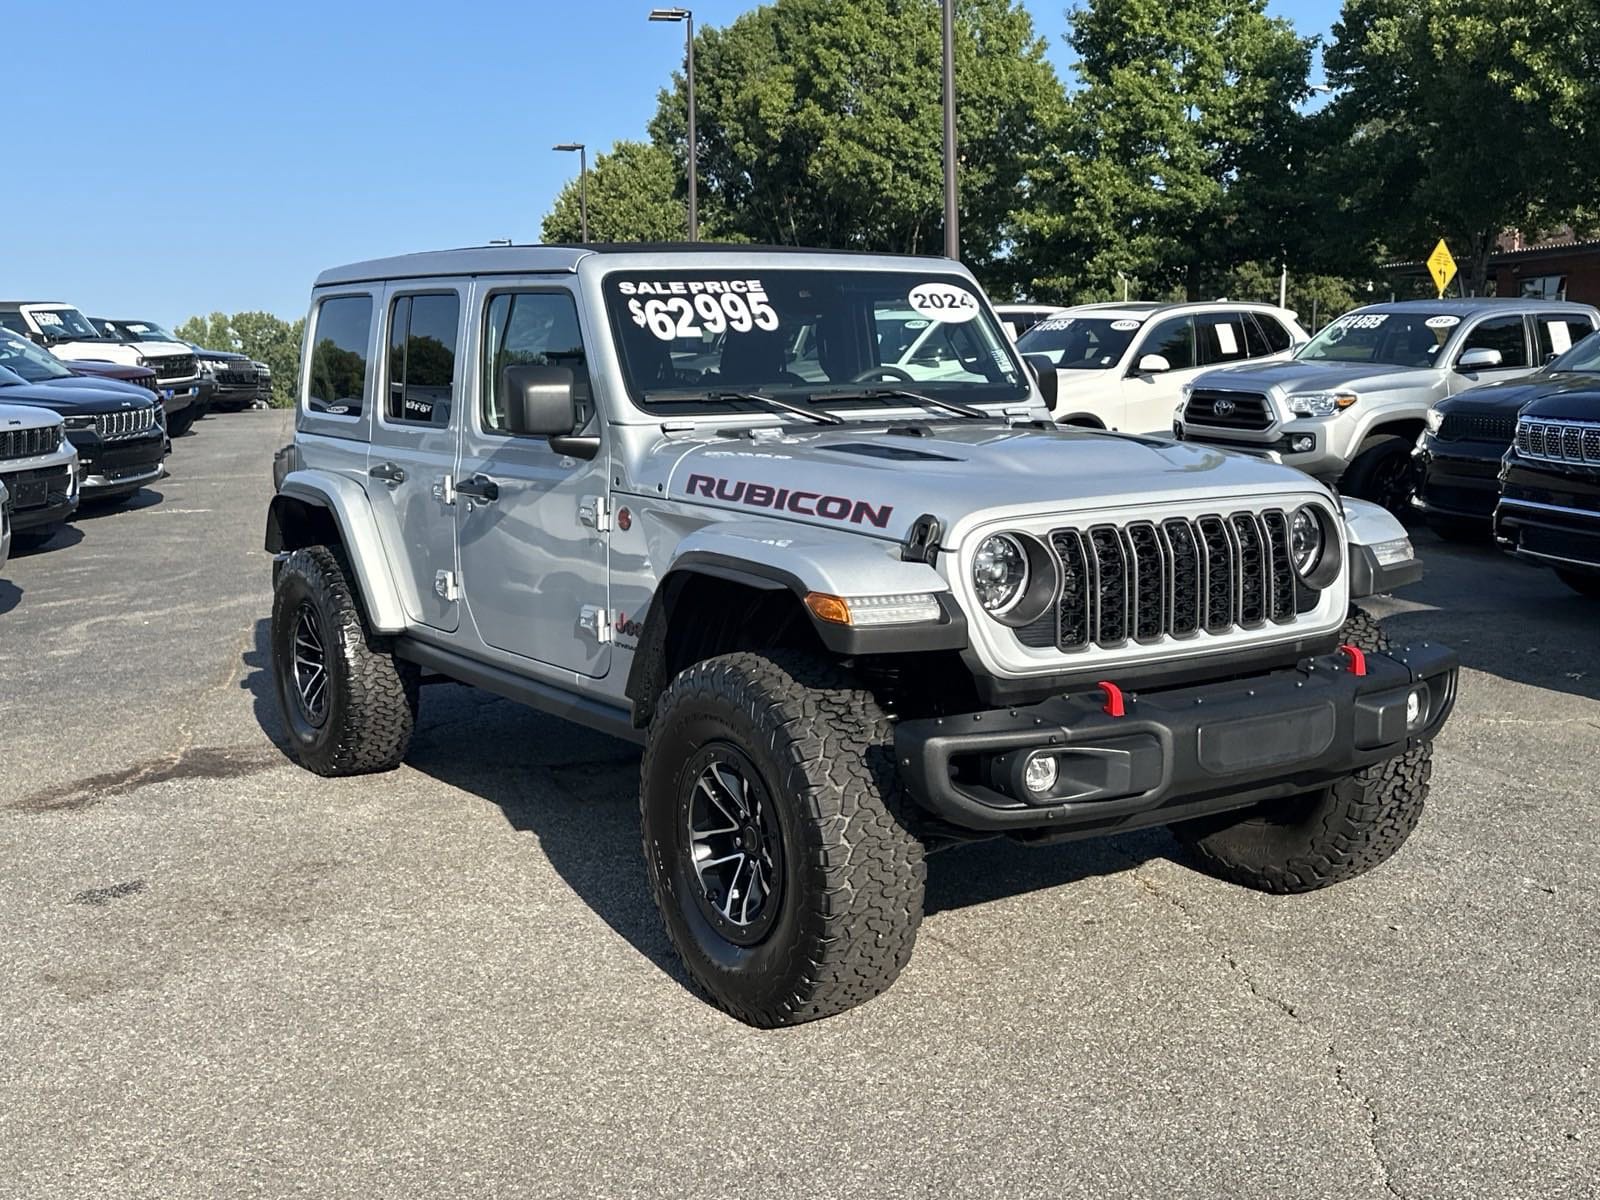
x: 118, y: 430
x: 1549, y: 510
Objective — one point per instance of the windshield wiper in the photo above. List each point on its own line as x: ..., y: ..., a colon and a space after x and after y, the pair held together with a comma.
x: 811, y: 414
x: 890, y: 393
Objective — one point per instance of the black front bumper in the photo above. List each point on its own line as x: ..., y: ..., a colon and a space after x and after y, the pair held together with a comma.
x: 1550, y: 513
x: 119, y: 464
x: 40, y: 497
x: 1175, y: 754
x: 1457, y: 479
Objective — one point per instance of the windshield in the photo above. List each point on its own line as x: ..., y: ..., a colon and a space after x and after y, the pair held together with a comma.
x: 64, y: 325
x: 1584, y: 357
x: 9, y: 378
x: 805, y: 332
x: 140, y: 331
x: 1400, y: 339
x: 21, y: 357
x: 1080, y: 343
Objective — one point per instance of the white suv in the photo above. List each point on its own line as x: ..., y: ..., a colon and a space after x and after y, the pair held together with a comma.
x: 1123, y: 366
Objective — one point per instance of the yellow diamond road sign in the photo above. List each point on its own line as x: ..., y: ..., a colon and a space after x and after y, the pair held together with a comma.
x: 1441, y: 266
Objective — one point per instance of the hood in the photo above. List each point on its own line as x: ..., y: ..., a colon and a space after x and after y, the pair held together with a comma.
x: 102, y: 351
x: 21, y: 416
x: 1509, y: 396
x: 77, y: 401
x: 101, y: 384
x: 219, y: 355
x: 109, y: 370
x: 870, y: 480
x: 1570, y: 404
x: 1293, y: 375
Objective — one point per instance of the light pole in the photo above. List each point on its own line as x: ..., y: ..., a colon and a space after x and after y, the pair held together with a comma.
x: 687, y: 17
x: 952, y: 233
x: 583, y: 182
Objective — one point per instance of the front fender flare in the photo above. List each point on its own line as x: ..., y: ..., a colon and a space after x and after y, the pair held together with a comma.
x: 346, y: 503
x: 1366, y: 525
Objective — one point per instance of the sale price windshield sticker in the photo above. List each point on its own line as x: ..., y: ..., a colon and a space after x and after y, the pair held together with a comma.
x: 688, y: 308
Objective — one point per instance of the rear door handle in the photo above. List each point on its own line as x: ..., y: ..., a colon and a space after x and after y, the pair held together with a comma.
x: 480, y: 488
x: 390, y: 473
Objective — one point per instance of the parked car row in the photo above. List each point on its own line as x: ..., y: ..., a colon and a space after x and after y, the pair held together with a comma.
x: 88, y: 408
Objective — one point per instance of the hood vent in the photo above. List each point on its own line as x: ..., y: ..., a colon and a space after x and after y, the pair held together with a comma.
x: 893, y: 453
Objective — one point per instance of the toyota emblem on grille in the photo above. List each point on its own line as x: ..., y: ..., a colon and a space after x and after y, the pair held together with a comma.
x: 1224, y: 408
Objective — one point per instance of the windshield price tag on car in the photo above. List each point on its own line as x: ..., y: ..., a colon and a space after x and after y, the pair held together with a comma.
x: 1444, y: 321
x: 44, y: 317
x: 692, y: 306
x: 1361, y: 321
x: 944, y: 302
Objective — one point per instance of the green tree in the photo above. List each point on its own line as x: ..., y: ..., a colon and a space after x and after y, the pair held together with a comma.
x: 633, y: 197
x: 1463, y: 118
x: 1184, y: 140
x: 820, y: 125
x: 210, y: 332
x: 262, y: 336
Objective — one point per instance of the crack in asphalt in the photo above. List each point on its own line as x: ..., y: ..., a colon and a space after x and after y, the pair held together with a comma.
x: 1341, y: 1069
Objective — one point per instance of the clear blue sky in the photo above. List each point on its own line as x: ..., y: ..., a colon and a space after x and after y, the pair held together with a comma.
x: 187, y: 157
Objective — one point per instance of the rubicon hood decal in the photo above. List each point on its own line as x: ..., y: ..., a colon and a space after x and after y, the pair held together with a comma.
x: 806, y: 504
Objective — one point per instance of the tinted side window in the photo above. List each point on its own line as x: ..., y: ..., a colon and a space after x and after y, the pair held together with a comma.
x: 1278, y: 338
x: 1559, y: 332
x: 338, y: 377
x: 1174, y: 341
x: 530, y: 327
x: 1503, y: 334
x: 422, y: 358
x: 1220, y: 337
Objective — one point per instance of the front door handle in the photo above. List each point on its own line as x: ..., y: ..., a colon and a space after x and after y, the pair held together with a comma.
x: 480, y: 488
x: 390, y: 473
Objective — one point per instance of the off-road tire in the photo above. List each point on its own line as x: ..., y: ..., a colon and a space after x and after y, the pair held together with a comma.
x: 1376, y: 472
x: 1587, y: 586
x: 371, y: 694
x: 853, y: 872
x: 1344, y: 830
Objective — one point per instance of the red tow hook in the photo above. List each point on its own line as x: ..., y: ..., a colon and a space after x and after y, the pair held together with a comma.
x: 1114, y: 706
x: 1358, y: 659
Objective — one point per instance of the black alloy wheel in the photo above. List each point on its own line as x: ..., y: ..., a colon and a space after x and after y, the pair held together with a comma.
x: 734, y: 843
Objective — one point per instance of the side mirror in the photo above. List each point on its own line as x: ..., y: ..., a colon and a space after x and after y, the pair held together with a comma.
x: 1044, y: 372
x: 1153, y: 364
x: 1480, y: 359
x: 539, y: 402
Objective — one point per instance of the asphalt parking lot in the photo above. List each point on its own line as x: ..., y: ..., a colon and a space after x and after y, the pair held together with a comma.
x: 224, y: 976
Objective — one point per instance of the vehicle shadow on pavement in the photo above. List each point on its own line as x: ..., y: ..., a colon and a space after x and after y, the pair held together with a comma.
x: 994, y: 870
x: 1503, y: 616
x: 10, y: 596
x: 257, y: 681
x: 64, y: 537
x: 90, y: 510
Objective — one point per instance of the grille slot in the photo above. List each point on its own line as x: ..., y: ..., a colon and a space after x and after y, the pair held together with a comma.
x: 1145, y: 582
x: 1575, y: 442
x: 29, y: 443
x: 172, y: 366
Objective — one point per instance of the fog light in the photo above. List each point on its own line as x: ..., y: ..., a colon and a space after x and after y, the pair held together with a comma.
x: 1039, y: 774
x: 1416, y: 707
x: 1300, y: 443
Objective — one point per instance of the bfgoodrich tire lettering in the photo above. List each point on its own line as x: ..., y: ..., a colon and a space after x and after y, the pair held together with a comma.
x: 849, y: 899
x: 1344, y: 830
x: 360, y: 719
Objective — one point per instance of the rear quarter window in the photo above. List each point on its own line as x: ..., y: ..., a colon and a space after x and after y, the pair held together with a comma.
x: 341, y: 330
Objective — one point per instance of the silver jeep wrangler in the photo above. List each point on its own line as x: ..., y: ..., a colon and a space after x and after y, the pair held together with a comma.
x: 799, y: 523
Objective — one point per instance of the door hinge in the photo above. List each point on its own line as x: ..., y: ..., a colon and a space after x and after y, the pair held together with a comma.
x: 444, y: 583
x: 595, y: 511
x: 444, y: 489
x: 597, y: 621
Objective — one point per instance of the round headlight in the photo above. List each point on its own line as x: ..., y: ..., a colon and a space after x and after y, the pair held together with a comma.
x: 1305, y: 540
x: 999, y: 572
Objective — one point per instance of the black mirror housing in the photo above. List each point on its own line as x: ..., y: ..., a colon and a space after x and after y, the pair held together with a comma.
x: 538, y: 400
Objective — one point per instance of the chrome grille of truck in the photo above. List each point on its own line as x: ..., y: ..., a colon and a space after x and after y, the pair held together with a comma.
x: 29, y: 443
x: 1147, y: 581
x: 130, y: 423
x: 1227, y: 410
x: 1559, y: 441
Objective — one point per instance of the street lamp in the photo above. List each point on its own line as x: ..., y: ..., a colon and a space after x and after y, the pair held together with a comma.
x: 952, y: 235
x: 687, y: 17
x: 583, y: 182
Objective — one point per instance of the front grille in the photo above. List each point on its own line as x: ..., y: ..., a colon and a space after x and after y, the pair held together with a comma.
x: 29, y: 443
x: 130, y: 423
x: 1478, y: 427
x: 237, y: 377
x: 172, y: 366
x: 1227, y: 410
x: 1147, y: 581
x: 1576, y: 442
